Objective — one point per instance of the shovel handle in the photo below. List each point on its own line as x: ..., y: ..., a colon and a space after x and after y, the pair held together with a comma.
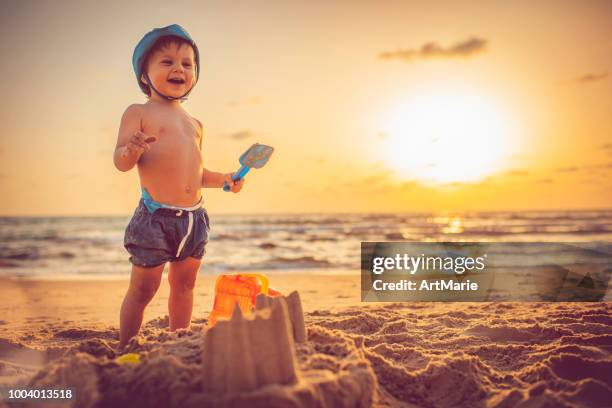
x: 242, y: 171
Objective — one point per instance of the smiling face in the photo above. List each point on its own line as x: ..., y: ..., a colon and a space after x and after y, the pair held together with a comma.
x: 171, y: 69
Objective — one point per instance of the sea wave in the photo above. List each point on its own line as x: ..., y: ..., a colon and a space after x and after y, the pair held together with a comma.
x: 84, y: 245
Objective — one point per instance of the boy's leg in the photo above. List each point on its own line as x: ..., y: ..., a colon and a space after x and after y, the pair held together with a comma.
x: 144, y: 282
x: 182, y: 277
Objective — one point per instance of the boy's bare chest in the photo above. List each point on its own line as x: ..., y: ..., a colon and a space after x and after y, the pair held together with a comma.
x: 178, y: 129
x: 177, y: 137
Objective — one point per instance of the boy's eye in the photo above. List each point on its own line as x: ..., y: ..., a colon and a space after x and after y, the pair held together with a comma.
x: 166, y: 62
x: 187, y: 65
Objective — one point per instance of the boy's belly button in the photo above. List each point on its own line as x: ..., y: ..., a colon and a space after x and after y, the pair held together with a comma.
x: 188, y: 189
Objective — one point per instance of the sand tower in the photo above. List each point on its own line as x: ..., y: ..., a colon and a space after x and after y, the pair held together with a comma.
x: 245, y: 353
x: 294, y: 310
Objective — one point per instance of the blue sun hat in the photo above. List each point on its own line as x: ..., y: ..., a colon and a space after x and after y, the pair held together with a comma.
x: 147, y: 42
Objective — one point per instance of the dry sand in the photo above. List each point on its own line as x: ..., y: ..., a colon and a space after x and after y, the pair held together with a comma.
x: 419, y: 354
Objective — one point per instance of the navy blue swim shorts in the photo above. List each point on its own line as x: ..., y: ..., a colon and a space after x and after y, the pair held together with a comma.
x: 166, y: 235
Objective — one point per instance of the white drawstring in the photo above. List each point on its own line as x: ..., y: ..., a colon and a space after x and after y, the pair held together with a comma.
x: 189, y: 226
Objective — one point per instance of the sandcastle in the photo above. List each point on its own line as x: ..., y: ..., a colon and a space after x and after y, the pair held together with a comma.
x: 251, y: 361
x: 245, y: 353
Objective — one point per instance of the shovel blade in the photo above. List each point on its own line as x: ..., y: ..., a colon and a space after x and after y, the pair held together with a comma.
x: 256, y: 156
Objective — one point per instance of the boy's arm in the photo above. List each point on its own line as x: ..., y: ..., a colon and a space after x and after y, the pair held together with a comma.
x: 215, y: 179
x: 130, y: 141
x: 212, y: 178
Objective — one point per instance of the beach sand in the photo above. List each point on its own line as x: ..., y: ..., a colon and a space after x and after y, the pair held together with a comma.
x: 408, y: 354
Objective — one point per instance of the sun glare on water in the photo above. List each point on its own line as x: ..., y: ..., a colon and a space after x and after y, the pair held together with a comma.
x: 447, y: 137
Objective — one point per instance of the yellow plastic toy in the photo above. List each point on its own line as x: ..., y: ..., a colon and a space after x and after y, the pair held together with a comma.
x: 129, y: 358
x: 241, y: 289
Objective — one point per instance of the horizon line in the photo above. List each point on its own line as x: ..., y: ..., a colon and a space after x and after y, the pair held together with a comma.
x: 575, y: 210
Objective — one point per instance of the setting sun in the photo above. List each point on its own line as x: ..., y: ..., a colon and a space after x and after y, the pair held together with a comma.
x: 445, y: 137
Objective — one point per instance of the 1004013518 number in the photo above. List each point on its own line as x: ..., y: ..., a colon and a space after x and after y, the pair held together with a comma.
x: 36, y: 394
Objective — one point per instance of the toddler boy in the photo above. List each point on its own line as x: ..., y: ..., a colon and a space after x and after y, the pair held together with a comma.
x: 164, y: 141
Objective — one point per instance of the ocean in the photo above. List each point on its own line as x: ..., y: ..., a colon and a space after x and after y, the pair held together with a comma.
x: 50, y: 247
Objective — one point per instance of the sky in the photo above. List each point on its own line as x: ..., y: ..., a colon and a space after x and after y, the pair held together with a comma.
x: 392, y: 106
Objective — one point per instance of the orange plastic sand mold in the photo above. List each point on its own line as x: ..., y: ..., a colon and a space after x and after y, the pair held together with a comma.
x: 241, y: 289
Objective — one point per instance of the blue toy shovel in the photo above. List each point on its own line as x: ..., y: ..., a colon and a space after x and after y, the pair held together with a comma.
x: 255, y: 157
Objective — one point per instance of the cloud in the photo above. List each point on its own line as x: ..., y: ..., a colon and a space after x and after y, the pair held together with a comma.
x: 462, y: 49
x: 240, y: 135
x: 408, y: 185
x: 379, y: 181
x: 592, y: 180
x: 243, y: 102
x: 598, y: 166
x: 518, y: 173
x: 546, y: 181
x: 376, y: 179
x: 569, y: 169
x: 588, y: 78
x: 585, y: 79
x: 589, y: 169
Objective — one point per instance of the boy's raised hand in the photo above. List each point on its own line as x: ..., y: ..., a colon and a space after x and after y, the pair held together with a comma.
x: 235, y: 186
x: 138, y: 144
